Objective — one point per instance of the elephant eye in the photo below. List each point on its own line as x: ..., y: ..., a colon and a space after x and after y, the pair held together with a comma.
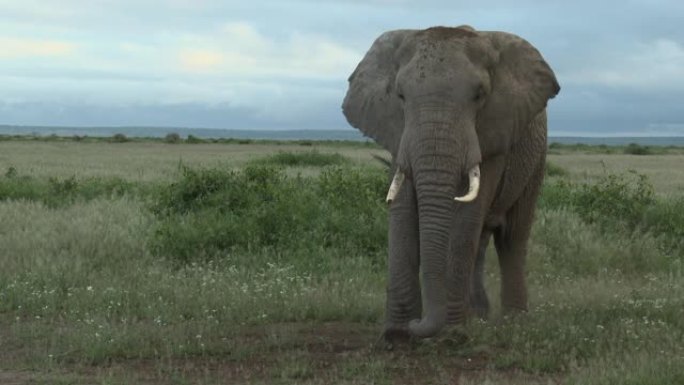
x: 480, y: 94
x: 401, y: 96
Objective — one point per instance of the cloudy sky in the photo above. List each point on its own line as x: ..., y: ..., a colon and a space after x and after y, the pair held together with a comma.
x: 283, y: 64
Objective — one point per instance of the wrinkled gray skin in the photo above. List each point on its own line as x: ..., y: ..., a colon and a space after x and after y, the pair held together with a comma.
x: 441, y: 101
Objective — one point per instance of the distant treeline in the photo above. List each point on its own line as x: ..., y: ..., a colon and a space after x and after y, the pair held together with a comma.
x: 630, y: 149
x: 175, y: 138
x: 205, y: 133
x: 288, y: 135
x: 555, y: 147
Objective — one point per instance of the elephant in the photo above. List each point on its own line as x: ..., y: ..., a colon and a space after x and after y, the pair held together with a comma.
x: 463, y: 114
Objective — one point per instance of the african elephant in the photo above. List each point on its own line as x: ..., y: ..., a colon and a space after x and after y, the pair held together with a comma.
x: 463, y: 114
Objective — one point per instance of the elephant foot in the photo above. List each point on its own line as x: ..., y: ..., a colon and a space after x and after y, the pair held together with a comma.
x: 454, y: 336
x: 481, y: 313
x: 393, y: 338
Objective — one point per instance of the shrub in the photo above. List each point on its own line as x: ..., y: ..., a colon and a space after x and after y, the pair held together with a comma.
x: 555, y: 170
x: 172, y: 137
x: 212, y: 212
x: 192, y: 139
x: 11, y: 172
x: 667, y: 217
x: 624, y: 202
x: 312, y: 158
x: 612, y: 197
x: 636, y: 149
x: 119, y: 138
x: 14, y: 186
x: 57, y: 192
x: 615, y: 196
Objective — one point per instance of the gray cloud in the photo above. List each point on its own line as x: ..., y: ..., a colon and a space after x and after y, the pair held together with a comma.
x: 621, y: 64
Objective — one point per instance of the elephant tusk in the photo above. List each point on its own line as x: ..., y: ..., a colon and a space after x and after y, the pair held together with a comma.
x: 394, y: 187
x: 474, y: 181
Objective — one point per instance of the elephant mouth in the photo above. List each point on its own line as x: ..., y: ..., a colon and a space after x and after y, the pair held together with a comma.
x: 473, y: 185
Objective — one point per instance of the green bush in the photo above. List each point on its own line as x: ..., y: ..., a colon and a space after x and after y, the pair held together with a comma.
x: 57, y: 192
x: 172, y: 137
x: 667, y: 217
x: 11, y: 172
x: 312, y: 158
x: 192, y: 139
x: 636, y: 149
x: 16, y: 187
x: 555, y: 170
x: 616, y: 196
x: 212, y: 212
x: 612, y: 197
x: 119, y: 138
x: 626, y: 202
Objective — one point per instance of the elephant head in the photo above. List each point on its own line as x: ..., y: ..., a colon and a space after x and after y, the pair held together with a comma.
x: 442, y: 101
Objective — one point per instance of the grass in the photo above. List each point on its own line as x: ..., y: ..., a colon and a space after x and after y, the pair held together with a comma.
x: 312, y: 159
x: 64, y: 191
x: 663, y: 171
x: 232, y: 269
x: 212, y: 211
x: 622, y: 203
x: 154, y: 162
x: 553, y: 169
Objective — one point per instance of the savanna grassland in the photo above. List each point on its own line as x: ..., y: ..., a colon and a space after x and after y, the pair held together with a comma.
x: 167, y: 262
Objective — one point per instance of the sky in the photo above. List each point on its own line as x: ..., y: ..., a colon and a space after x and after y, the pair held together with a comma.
x: 283, y: 64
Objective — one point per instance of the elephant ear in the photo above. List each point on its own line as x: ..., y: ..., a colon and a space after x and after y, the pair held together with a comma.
x: 521, y: 85
x: 371, y: 103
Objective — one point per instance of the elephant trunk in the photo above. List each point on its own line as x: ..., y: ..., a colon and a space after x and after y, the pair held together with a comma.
x: 435, y: 222
x: 438, y: 168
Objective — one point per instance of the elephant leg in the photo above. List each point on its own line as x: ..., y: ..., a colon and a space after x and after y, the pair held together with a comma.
x: 403, y: 284
x: 479, y: 302
x: 511, y: 245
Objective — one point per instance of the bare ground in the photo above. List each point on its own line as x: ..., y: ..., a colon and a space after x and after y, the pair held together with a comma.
x: 329, y: 353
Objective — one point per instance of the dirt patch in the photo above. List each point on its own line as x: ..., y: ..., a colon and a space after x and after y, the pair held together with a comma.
x: 10, y: 377
x: 325, y: 353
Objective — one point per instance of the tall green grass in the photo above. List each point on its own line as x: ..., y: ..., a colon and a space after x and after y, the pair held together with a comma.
x: 216, y: 264
x: 209, y: 212
x: 623, y: 203
x: 56, y: 192
x: 553, y: 169
x: 79, y: 285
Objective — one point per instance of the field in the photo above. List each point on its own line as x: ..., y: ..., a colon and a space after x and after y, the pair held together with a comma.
x: 147, y: 262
